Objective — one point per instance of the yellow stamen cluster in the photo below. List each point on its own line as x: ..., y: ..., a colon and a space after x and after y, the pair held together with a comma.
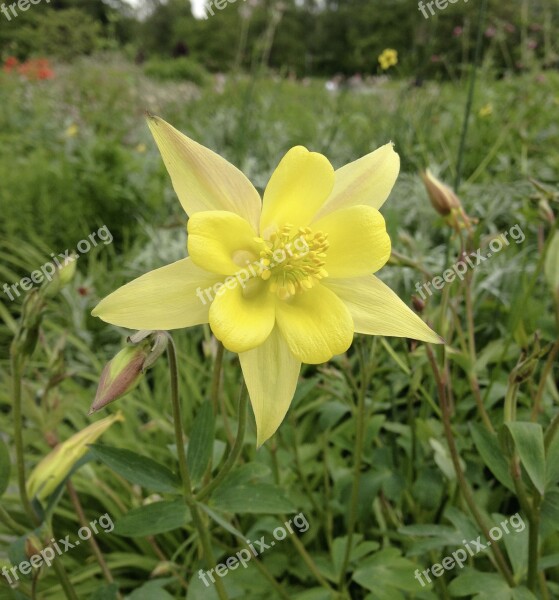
x: 293, y: 261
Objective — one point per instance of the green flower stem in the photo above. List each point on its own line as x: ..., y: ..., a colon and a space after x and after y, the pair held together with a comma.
x: 214, y: 398
x: 474, y: 383
x: 510, y: 402
x: 235, y: 450
x: 462, y: 482
x: 307, y: 559
x: 201, y: 528
x: 534, y: 543
x: 17, y: 364
x: 10, y: 523
x: 216, y: 378
x: 64, y: 580
x: 360, y: 421
x: 94, y: 545
x: 17, y: 371
x: 532, y: 509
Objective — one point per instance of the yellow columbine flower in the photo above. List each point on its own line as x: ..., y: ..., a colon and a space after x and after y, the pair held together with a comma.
x: 388, y: 58
x: 486, y: 111
x: 297, y: 266
x: 72, y: 131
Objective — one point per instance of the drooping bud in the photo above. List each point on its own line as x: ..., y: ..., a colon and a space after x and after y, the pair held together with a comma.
x: 120, y: 375
x: 125, y: 371
x: 62, y: 275
x: 443, y: 199
x: 68, y: 269
x: 54, y: 468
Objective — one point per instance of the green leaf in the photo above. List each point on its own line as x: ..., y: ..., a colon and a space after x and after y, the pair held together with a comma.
x: 105, y: 592
x: 516, y: 542
x: 385, y: 570
x: 152, y: 519
x: 200, y: 445
x: 151, y: 590
x: 487, y: 445
x: 5, y: 467
x: 240, y: 492
x: 257, y: 498
x: 249, y: 473
x: 529, y: 442
x: 137, y: 469
x: 486, y: 586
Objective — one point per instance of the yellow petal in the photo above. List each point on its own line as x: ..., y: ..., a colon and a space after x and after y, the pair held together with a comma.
x: 167, y: 298
x: 315, y: 324
x: 52, y: 470
x: 367, y: 180
x: 271, y: 374
x: 221, y: 242
x: 377, y: 310
x: 243, y: 317
x: 202, y: 179
x: 358, y: 242
x: 297, y: 189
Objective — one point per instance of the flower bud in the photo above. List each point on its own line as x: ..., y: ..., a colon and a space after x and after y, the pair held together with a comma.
x: 61, y: 277
x: 56, y: 466
x: 443, y: 199
x: 121, y: 375
x: 68, y: 269
x: 162, y: 569
x: 124, y: 372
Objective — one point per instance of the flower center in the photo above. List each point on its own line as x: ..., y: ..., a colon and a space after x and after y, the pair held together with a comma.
x: 292, y: 260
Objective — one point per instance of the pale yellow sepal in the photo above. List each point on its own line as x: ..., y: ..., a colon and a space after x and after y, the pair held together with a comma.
x: 202, y: 179
x: 271, y: 373
x: 377, y: 310
x: 167, y: 298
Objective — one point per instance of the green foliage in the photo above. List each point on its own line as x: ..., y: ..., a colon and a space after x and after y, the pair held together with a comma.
x: 152, y: 519
x: 137, y: 469
x: 183, y: 68
x: 66, y: 34
x: 75, y: 153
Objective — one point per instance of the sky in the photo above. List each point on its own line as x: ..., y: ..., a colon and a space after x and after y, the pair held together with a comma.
x: 197, y: 6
